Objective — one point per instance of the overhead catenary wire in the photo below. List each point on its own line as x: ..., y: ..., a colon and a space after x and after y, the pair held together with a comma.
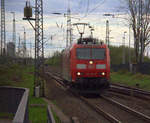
x: 88, y: 10
x: 98, y: 5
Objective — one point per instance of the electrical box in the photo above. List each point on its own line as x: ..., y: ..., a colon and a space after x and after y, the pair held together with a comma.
x: 37, y: 91
x: 27, y: 12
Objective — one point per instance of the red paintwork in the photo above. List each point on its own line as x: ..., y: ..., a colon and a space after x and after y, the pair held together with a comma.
x: 70, y: 62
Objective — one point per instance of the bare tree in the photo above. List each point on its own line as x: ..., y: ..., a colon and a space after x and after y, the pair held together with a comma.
x: 139, y: 16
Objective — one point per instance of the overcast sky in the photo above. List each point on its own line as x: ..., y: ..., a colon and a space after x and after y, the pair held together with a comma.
x: 89, y: 11
x: 77, y: 6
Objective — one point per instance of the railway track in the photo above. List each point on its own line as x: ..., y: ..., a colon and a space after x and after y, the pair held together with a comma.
x: 96, y: 107
x: 135, y: 113
x: 99, y: 104
x: 130, y: 91
x: 131, y: 88
x: 136, y: 103
x: 116, y: 112
x: 126, y: 90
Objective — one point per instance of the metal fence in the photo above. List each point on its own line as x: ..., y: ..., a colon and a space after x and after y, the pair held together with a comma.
x: 143, y: 68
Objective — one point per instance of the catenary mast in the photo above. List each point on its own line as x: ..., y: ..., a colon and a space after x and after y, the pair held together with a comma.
x: 3, y: 35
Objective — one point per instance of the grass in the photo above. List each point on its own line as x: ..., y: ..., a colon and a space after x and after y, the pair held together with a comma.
x: 127, y: 78
x: 6, y: 115
x: 38, y: 114
x: 22, y: 76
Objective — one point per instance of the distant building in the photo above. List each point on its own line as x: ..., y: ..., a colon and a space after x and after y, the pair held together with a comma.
x: 11, y: 49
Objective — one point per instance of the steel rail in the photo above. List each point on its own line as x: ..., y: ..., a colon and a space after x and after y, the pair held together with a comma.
x: 130, y: 91
x: 128, y: 109
x: 137, y: 90
x: 100, y: 111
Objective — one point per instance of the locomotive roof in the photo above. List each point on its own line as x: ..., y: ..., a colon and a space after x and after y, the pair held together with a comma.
x: 87, y: 42
x: 89, y: 45
x: 100, y: 45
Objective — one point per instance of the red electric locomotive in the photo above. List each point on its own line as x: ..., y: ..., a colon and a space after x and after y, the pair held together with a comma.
x: 86, y: 66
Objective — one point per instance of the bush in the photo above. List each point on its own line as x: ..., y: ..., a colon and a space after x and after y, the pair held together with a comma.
x: 55, y: 59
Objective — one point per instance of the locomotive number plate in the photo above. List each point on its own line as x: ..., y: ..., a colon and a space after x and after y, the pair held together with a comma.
x: 91, y: 66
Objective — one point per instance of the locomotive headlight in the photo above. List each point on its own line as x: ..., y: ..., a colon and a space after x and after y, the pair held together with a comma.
x: 103, y: 73
x: 78, y: 73
x: 90, y: 62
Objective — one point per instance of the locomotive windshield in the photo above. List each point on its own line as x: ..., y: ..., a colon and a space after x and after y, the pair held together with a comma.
x: 90, y: 53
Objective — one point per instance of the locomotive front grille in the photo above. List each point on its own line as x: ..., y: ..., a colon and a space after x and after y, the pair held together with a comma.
x: 89, y: 74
